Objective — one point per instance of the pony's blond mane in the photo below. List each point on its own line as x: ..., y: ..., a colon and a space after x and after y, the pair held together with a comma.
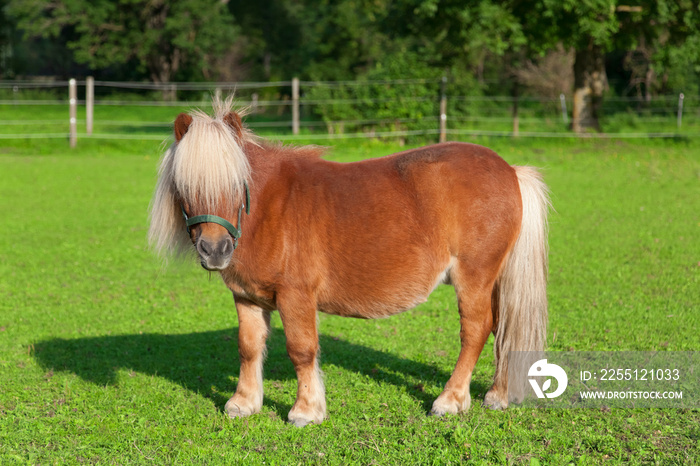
x: 207, y: 166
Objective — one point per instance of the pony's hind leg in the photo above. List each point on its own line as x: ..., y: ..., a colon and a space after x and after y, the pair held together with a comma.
x: 298, y: 314
x: 253, y: 329
x: 497, y: 396
x: 474, y: 302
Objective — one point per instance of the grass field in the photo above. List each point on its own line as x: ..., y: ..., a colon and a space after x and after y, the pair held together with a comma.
x: 108, y: 357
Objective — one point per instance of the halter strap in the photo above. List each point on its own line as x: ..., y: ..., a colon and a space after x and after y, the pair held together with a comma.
x: 208, y: 218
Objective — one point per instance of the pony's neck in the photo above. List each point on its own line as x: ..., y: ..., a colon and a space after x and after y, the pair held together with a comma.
x: 270, y: 163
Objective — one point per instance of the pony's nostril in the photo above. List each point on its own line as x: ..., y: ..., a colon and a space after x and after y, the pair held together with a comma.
x: 226, y: 247
x: 204, y: 248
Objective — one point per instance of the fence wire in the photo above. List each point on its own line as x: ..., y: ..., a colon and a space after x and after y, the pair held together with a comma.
x: 331, y: 110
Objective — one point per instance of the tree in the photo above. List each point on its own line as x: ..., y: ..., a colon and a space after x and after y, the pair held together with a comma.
x: 594, y: 27
x: 273, y: 32
x: 670, y: 29
x: 459, y: 32
x: 587, y: 26
x: 6, y: 31
x: 163, y: 37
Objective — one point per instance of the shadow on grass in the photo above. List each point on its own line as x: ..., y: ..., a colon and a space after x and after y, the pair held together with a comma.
x: 206, y: 362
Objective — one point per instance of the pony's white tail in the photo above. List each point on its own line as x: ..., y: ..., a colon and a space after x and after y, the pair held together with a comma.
x: 519, y: 298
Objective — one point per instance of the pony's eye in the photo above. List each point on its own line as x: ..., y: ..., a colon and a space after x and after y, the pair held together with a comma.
x: 185, y: 208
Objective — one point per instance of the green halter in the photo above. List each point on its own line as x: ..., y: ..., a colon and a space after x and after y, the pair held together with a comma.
x: 207, y: 218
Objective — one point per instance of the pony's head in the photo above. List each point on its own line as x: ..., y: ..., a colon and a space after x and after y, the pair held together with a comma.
x: 204, y: 172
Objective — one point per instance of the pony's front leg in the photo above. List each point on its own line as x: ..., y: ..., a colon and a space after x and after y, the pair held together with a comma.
x: 298, y: 314
x: 253, y: 329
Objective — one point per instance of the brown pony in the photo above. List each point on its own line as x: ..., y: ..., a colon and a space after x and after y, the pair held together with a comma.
x: 365, y: 239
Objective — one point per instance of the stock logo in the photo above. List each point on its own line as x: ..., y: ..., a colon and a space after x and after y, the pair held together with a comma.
x: 542, y: 369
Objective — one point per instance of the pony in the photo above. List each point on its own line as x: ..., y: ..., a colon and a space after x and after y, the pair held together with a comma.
x: 290, y: 231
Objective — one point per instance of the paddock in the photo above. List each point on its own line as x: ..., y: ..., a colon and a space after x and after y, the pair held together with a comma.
x: 106, y: 356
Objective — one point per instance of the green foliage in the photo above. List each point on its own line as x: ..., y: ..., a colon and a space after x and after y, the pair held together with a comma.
x: 677, y: 45
x: 274, y: 33
x: 460, y: 30
x: 653, y: 46
x: 162, y: 37
x: 578, y: 23
x: 381, y: 106
x: 6, y: 31
x: 347, y: 38
x: 480, y: 41
x: 681, y: 65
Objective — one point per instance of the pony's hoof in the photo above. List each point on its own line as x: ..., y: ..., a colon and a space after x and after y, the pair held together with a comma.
x: 494, y: 406
x: 439, y: 412
x: 493, y: 402
x: 235, y: 410
x: 301, y: 418
x: 448, y: 404
x: 301, y: 421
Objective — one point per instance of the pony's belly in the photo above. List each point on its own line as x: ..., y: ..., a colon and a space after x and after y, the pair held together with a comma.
x: 375, y: 302
x: 377, y: 309
x: 365, y: 297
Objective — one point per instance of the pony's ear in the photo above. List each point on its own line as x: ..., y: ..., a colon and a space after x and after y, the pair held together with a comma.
x: 234, y: 121
x: 182, y: 123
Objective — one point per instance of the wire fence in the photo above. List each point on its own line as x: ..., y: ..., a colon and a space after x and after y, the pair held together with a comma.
x: 309, y: 110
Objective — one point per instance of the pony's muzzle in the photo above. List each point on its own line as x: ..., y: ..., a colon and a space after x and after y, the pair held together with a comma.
x: 215, y: 255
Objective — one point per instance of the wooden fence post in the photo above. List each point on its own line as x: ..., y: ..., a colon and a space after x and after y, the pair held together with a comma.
x: 443, y: 110
x: 89, y: 103
x: 295, y: 105
x: 73, y: 112
x: 254, y: 103
x: 564, y: 113
x: 681, y: 97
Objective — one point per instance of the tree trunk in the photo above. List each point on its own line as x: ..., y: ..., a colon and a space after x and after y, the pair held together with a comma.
x: 267, y: 64
x: 162, y: 68
x: 589, y: 83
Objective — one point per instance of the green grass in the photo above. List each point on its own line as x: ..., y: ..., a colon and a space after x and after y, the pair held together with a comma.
x: 107, y: 357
